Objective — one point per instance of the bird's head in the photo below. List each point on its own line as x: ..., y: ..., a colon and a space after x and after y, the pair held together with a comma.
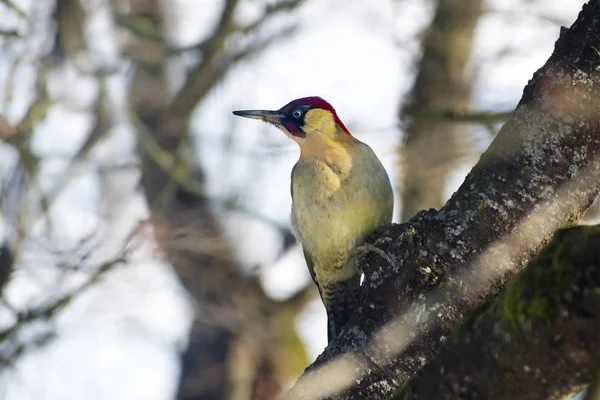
x: 308, y: 121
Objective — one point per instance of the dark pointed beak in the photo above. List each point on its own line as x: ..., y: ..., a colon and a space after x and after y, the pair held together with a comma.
x: 274, y: 117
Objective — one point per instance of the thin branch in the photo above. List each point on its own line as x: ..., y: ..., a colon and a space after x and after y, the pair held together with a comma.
x: 270, y: 11
x: 171, y: 163
x: 49, y: 310
x: 10, y: 33
x: 11, y: 5
x: 18, y: 136
x: 214, y: 64
x: 103, y: 123
x: 205, y: 75
x: 258, y: 46
x: 44, y: 312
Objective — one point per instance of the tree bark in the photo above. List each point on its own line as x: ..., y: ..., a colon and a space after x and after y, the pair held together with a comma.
x: 423, y: 277
x: 537, y: 340
x: 434, y: 146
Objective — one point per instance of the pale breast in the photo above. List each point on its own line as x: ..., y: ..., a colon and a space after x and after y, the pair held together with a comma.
x: 316, y: 194
x: 333, y: 210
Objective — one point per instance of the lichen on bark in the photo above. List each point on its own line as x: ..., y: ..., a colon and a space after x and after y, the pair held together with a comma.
x: 537, y: 340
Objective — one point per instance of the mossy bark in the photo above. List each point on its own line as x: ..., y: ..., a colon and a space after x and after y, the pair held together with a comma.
x: 537, y: 340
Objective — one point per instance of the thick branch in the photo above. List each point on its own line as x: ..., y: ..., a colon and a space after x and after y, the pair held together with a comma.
x: 538, y: 340
x: 541, y: 172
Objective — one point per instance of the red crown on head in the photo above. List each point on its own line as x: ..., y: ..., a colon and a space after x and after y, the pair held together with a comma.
x: 318, y: 102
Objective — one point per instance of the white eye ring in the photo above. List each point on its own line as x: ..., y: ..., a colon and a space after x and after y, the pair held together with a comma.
x: 296, y: 113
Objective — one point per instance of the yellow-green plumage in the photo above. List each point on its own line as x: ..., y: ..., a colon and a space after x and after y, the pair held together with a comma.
x: 338, y: 201
x: 340, y: 194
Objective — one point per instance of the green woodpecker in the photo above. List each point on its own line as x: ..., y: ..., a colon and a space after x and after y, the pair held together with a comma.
x: 340, y: 194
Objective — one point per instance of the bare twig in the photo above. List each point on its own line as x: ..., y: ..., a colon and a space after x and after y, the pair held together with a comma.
x: 10, y: 33
x: 11, y: 5
x: 269, y: 12
x: 103, y: 123
x: 45, y: 312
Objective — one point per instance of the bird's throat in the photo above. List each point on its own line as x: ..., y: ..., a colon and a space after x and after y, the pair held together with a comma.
x: 335, y: 155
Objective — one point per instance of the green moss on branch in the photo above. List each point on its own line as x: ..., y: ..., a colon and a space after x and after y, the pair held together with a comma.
x: 537, y: 340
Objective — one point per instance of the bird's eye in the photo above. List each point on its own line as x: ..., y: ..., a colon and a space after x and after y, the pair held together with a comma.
x: 296, y: 114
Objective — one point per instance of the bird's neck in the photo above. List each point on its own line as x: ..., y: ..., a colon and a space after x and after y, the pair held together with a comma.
x: 337, y: 153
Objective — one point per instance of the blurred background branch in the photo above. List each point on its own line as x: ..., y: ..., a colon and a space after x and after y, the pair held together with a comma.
x: 436, y: 142
x: 12, y: 6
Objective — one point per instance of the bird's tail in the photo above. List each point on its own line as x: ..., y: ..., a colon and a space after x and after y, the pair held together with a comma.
x: 342, y: 299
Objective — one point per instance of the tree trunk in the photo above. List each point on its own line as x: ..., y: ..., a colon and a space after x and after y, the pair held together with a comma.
x: 434, y: 146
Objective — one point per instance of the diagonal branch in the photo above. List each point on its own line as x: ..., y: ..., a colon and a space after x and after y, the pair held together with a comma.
x: 12, y: 192
x: 269, y: 12
x: 544, y: 325
x: 12, y: 336
x: 12, y: 6
x: 204, y: 76
x: 216, y: 62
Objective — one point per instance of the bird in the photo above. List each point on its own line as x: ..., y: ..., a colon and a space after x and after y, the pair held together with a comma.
x: 341, y: 193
